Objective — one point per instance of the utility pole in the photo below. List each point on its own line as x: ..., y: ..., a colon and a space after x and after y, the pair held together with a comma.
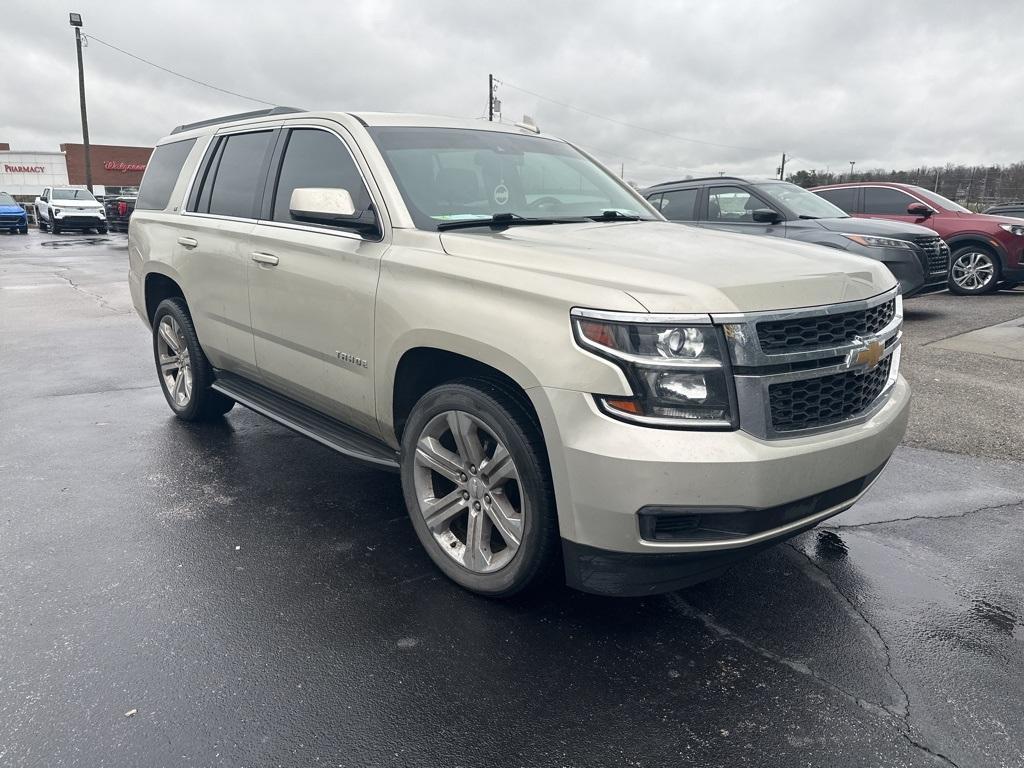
x: 76, y: 22
x: 490, y: 98
x: 622, y: 170
x: 852, y: 163
x: 936, y: 189
x: 782, y: 168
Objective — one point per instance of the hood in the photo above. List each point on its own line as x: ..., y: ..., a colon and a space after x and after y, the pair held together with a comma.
x: 9, y: 209
x: 81, y: 205
x: 992, y: 218
x: 880, y: 227
x: 670, y: 267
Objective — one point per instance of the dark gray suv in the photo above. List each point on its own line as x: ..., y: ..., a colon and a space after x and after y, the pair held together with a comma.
x: 914, y: 254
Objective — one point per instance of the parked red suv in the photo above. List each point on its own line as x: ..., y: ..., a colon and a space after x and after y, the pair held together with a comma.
x: 987, y: 250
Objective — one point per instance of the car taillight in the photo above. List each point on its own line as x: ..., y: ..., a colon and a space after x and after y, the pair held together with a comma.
x: 122, y: 208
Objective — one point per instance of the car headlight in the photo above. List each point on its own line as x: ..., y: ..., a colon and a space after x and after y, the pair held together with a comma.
x: 1014, y: 229
x: 56, y: 211
x: 102, y: 215
x: 879, y: 242
x: 679, y: 372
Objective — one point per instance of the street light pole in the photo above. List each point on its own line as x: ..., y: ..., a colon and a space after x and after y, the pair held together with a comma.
x: 852, y: 163
x: 76, y: 22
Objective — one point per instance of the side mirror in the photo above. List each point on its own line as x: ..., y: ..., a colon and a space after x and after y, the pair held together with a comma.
x: 919, y: 209
x: 765, y: 216
x: 321, y: 204
x: 334, y: 206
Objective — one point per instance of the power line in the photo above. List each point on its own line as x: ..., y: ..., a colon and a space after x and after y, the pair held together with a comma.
x: 178, y: 74
x: 634, y: 126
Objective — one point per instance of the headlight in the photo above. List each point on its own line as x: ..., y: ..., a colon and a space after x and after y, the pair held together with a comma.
x: 679, y: 373
x: 879, y: 242
x: 1014, y: 229
x: 102, y: 215
x: 56, y: 211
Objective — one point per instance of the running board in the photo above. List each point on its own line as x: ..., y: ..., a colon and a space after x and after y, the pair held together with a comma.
x: 306, y: 421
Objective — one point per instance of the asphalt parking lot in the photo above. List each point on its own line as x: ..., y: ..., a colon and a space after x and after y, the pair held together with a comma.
x: 253, y: 599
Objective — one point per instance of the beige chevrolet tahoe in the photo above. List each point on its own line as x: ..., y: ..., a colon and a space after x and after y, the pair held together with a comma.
x: 562, y: 379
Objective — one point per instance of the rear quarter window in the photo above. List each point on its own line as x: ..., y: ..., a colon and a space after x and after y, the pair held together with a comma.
x: 162, y: 172
x: 841, y: 198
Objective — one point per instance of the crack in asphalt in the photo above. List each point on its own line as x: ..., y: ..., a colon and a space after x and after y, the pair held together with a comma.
x: 898, y: 715
x: 901, y: 708
x: 98, y: 297
x: 958, y: 515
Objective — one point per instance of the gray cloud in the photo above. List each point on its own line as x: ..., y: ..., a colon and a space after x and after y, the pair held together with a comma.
x: 885, y: 84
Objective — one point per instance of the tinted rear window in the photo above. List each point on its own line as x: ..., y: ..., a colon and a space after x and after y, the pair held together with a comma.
x: 841, y: 198
x: 679, y: 205
x: 238, y: 175
x: 161, y: 173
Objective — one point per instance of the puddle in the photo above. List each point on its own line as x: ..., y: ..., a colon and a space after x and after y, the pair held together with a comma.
x: 830, y: 546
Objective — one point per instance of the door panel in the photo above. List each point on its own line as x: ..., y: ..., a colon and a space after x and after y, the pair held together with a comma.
x: 214, y: 269
x: 312, y: 310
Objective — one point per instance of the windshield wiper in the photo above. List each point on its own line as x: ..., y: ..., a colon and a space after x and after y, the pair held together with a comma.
x: 502, y: 220
x: 613, y: 215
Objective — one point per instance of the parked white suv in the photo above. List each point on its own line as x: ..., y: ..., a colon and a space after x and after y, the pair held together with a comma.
x: 560, y: 376
x: 59, y: 208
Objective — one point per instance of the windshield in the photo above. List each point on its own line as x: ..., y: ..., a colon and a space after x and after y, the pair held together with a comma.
x: 73, y: 194
x: 940, y: 200
x: 6, y: 199
x: 459, y: 174
x: 800, y: 201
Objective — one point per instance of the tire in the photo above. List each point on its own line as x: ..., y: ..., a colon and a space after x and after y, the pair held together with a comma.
x: 185, y: 376
x: 40, y: 223
x: 973, y: 270
x: 101, y: 231
x: 517, y: 500
x: 54, y: 229
x: 23, y: 230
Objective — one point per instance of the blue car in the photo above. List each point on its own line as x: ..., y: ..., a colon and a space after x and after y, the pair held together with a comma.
x: 12, y: 216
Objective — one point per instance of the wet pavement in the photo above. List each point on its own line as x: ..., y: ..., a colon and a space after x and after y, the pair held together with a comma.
x: 255, y: 600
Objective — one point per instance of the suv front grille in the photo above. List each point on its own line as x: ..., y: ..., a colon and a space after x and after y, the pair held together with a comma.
x: 819, y: 402
x: 11, y: 218
x: 936, y: 252
x: 780, y: 336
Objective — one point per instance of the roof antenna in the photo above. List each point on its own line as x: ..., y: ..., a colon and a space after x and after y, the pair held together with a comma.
x: 528, y: 125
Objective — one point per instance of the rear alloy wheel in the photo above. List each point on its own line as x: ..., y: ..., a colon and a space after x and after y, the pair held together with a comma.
x: 478, y: 488
x: 974, y: 270
x: 185, y: 374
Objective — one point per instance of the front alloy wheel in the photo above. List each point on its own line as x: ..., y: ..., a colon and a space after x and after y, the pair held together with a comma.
x: 973, y: 271
x: 468, y: 491
x: 478, y: 487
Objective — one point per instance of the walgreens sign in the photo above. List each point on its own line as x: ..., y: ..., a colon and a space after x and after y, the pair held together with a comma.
x: 118, y: 165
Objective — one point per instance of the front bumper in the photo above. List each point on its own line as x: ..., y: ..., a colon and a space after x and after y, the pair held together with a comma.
x: 606, y: 471
x: 83, y: 219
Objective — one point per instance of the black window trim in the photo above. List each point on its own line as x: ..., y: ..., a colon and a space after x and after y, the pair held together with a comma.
x: 211, y: 153
x: 274, y: 173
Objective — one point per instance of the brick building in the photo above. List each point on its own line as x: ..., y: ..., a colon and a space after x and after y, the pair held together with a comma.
x: 113, y: 167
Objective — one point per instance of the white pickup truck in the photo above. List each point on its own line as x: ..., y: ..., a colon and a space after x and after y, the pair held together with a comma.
x: 60, y: 208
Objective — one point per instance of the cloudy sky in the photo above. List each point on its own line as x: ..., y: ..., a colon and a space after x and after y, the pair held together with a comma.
x: 888, y: 84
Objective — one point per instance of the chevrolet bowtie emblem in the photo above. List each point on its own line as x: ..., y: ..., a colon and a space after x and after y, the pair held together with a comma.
x: 867, y: 357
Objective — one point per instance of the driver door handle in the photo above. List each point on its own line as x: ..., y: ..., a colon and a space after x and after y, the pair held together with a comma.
x: 188, y: 242
x: 265, y: 258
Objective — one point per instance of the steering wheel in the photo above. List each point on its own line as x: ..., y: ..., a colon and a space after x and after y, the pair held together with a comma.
x: 541, y: 202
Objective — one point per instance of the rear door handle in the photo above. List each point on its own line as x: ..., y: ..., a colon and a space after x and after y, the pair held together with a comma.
x: 188, y: 242
x: 265, y: 258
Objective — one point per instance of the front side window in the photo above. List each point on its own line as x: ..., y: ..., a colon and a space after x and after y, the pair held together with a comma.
x: 458, y: 174
x: 161, y: 174
x: 679, y: 205
x: 73, y: 194
x: 884, y: 201
x: 942, y: 202
x: 800, y: 202
x: 315, y: 158
x: 235, y: 175
x: 732, y: 205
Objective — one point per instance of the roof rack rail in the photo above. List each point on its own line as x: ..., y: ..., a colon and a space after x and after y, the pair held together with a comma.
x: 697, y: 178
x: 239, y: 116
